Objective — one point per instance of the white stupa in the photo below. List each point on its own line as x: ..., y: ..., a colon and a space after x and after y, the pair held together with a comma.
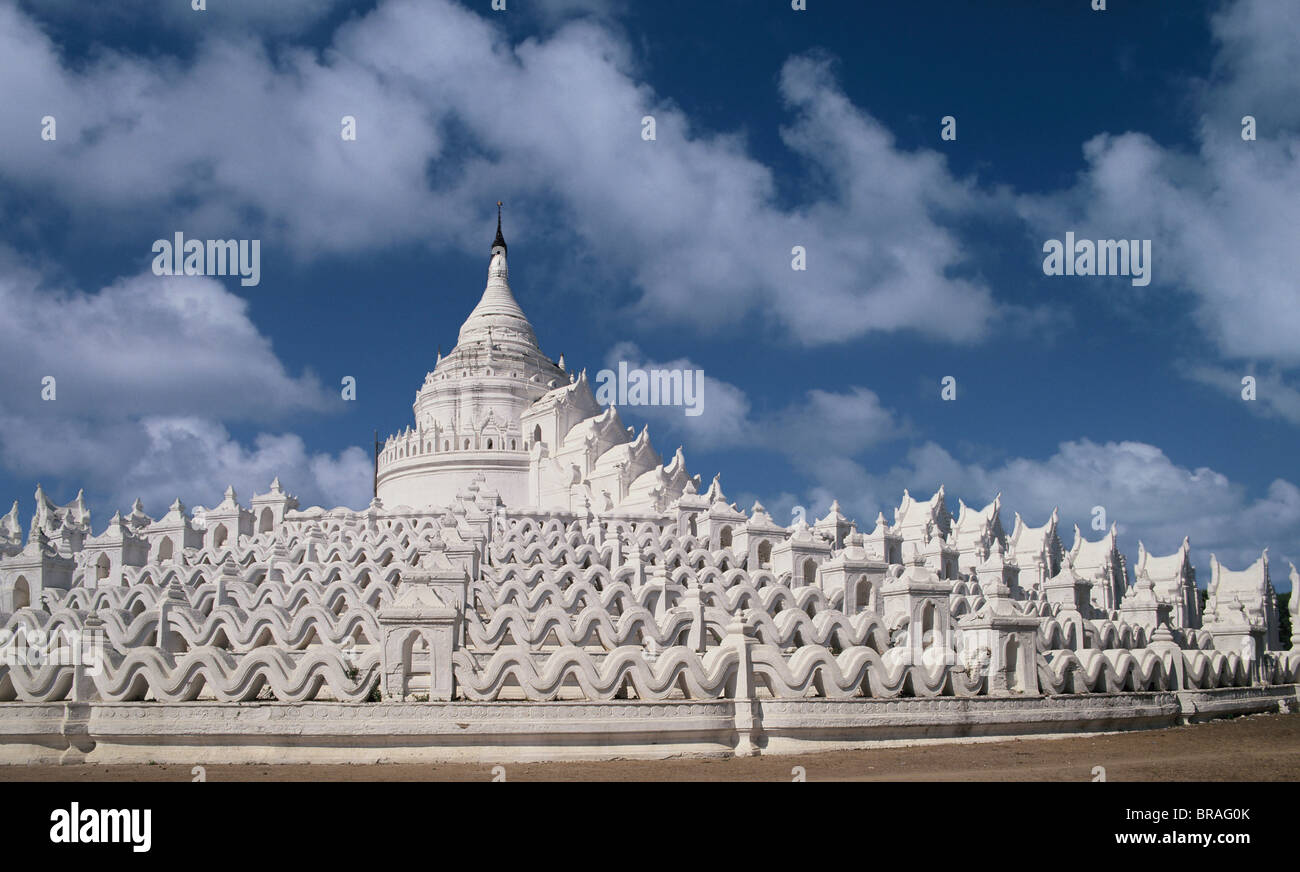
x: 525, y: 547
x: 497, y: 410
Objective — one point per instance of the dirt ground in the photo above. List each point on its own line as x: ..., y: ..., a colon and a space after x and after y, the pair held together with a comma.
x: 1257, y: 748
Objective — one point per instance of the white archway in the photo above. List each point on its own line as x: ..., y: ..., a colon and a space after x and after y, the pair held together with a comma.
x: 22, y: 593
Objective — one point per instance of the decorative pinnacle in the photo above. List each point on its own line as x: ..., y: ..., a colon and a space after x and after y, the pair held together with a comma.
x: 500, y: 240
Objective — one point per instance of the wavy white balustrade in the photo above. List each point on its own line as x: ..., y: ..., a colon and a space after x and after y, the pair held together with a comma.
x: 590, y: 626
x: 150, y: 672
x: 556, y: 609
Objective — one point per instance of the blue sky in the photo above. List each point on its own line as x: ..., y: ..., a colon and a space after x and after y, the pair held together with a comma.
x: 775, y: 128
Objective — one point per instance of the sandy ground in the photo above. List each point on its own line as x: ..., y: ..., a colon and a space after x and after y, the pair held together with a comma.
x: 1257, y: 748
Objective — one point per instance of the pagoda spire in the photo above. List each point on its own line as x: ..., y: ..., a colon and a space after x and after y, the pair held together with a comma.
x: 500, y: 241
x: 497, y: 312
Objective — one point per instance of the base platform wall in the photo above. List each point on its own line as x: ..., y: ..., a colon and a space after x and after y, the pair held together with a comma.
x: 504, y: 732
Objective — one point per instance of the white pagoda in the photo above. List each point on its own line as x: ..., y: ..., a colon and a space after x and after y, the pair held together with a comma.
x: 525, y: 547
x: 497, y: 410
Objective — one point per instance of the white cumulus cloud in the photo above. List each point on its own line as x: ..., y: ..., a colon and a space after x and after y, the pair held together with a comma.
x: 1222, y: 216
x: 144, y: 373
x: 243, y: 140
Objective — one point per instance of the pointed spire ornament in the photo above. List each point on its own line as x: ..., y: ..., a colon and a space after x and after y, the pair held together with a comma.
x: 500, y: 240
x: 497, y: 309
